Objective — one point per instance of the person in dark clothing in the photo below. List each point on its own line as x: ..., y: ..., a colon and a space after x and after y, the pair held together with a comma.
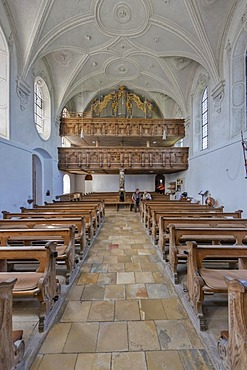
x: 136, y: 198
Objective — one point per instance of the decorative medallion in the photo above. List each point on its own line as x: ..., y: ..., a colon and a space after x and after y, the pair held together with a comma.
x: 63, y: 57
x: 122, y: 13
x: 123, y: 68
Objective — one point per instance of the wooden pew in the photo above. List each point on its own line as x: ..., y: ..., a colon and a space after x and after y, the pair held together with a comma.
x: 232, y: 345
x: 40, y: 284
x: 203, y: 219
x: 64, y: 236
x: 90, y: 230
x: 178, y: 236
x: 155, y: 225
x: 30, y: 223
x: 201, y: 280
x: 12, y: 345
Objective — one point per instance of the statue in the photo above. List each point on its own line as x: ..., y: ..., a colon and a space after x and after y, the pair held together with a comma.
x: 121, y: 179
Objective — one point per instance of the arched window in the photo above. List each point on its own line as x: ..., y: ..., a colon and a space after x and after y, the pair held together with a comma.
x: 42, y: 108
x: 4, y: 87
x: 204, y: 118
x: 66, y: 184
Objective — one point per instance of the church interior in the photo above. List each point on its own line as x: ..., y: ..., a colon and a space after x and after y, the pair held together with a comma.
x: 123, y: 169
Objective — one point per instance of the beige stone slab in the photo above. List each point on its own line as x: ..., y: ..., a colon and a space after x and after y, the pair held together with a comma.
x: 144, y: 277
x: 110, y: 259
x: 88, y: 278
x: 93, y: 361
x: 140, y: 259
x: 60, y: 361
x: 109, y: 278
x: 75, y: 293
x: 82, y: 337
x: 174, y: 309
x: 135, y: 291
x: 127, y: 310
x: 149, y: 267
x: 113, y: 292
x: 162, y: 360
x: 124, y: 259
x: 95, y: 259
x: 132, y: 267
x: 86, y: 267
x: 117, y: 252
x: 101, y: 311
x: 193, y: 336
x: 143, y: 336
x: 116, y: 267
x: 145, y: 252
x: 36, y: 363
x: 99, y: 267
x: 157, y: 291
x: 131, y: 252
x: 112, y: 337
x: 159, y: 277
x: 196, y: 359
x: 129, y: 360
x: 56, y: 338
x: 152, y: 309
x: 76, y: 311
x: 172, y: 335
x: 125, y: 278
x: 93, y: 292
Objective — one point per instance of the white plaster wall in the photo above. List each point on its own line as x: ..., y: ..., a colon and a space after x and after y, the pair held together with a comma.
x: 111, y: 182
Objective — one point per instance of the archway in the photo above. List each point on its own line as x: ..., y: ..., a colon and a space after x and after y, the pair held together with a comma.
x: 36, y: 180
x: 160, y: 184
x: 66, y: 184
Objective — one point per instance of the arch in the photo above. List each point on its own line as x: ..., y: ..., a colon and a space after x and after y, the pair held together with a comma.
x: 4, y: 87
x: 37, y: 180
x: 160, y: 184
x: 66, y: 184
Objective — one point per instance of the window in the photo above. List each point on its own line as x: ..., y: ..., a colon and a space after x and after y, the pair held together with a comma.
x: 42, y: 108
x: 66, y: 184
x: 4, y: 87
x: 204, y: 118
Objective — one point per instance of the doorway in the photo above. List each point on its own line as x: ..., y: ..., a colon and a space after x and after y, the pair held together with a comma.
x: 160, y: 184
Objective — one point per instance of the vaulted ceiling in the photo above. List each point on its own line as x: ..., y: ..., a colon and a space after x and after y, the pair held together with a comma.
x: 153, y: 47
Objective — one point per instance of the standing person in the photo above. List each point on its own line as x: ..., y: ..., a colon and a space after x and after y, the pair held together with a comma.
x: 136, y: 198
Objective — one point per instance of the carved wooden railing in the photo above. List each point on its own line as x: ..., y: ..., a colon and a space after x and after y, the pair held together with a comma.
x: 89, y: 159
x: 76, y: 124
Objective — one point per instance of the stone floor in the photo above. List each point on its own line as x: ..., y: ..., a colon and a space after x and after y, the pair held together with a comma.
x: 123, y: 311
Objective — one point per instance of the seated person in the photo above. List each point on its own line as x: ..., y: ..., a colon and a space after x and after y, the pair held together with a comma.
x: 136, y: 198
x: 146, y: 196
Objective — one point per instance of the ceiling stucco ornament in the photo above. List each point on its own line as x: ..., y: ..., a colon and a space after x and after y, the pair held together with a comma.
x: 123, y: 69
x: 181, y: 63
x: 63, y: 57
x: 115, y: 17
x: 23, y: 91
x: 208, y: 2
x: 121, y: 46
x: 167, y: 2
x: 203, y: 80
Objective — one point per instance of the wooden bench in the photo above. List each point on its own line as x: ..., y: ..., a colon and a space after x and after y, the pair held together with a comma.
x: 203, y: 219
x: 179, y: 235
x: 201, y: 280
x: 40, y: 284
x: 79, y: 223
x: 232, y: 344
x: 154, y: 226
x: 12, y: 345
x: 64, y: 236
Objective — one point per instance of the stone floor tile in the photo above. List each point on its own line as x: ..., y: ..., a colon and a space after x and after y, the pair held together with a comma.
x: 60, y: 361
x: 99, y: 267
x: 129, y: 360
x: 125, y: 278
x: 117, y: 252
x: 101, y: 311
x: 143, y: 336
x: 75, y: 293
x: 76, y: 311
x: 192, y: 334
x: 144, y: 277
x: 195, y: 359
x: 86, y: 267
x: 135, y: 291
x: 132, y: 267
x: 112, y: 337
x: 152, y: 309
x: 172, y: 335
x: 88, y: 278
x: 149, y: 266
x: 174, y: 309
x: 124, y: 259
x: 159, y: 277
x: 116, y: 267
x: 82, y: 337
x: 56, y: 338
x: 110, y: 259
x: 131, y: 252
x: 37, y: 361
x: 127, y: 310
x: 93, y: 361
x: 109, y: 278
x: 93, y: 292
x: 113, y: 292
x: 157, y: 291
x: 164, y: 360
x: 140, y: 259
x: 95, y: 259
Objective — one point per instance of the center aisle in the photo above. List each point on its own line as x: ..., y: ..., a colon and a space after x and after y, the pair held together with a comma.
x: 122, y: 311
